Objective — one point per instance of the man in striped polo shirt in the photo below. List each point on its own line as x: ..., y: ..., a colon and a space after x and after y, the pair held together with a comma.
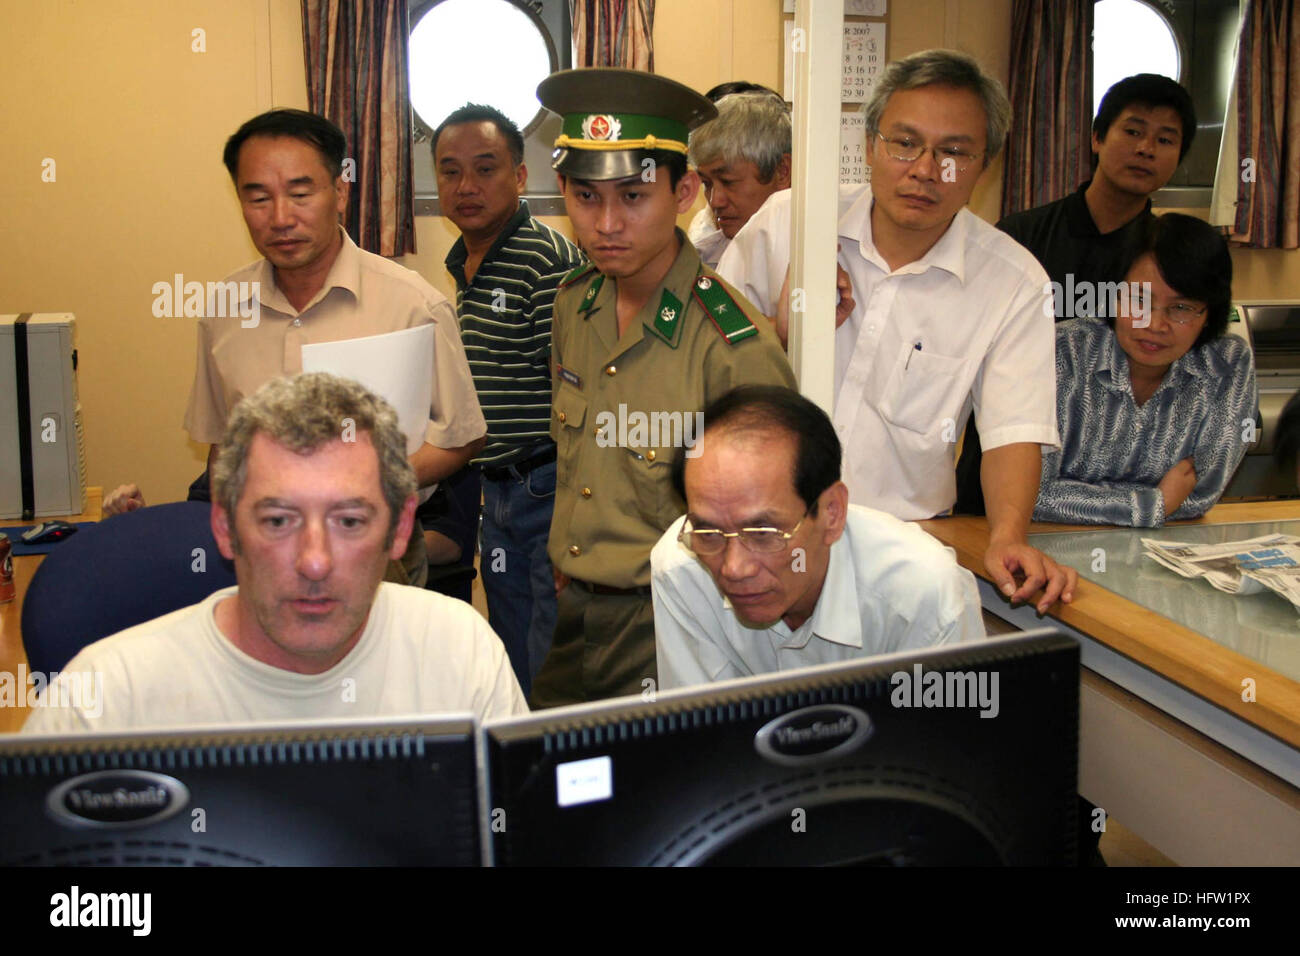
x: 507, y: 267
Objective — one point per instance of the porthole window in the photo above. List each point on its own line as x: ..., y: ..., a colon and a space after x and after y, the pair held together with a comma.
x: 487, y: 51
x: 493, y: 52
x: 1189, y: 41
x: 1128, y: 37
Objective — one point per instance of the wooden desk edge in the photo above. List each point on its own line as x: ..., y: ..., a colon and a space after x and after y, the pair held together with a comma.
x: 94, y: 511
x: 1176, y: 652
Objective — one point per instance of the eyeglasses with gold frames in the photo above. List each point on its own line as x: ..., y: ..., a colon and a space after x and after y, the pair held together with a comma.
x: 710, y: 541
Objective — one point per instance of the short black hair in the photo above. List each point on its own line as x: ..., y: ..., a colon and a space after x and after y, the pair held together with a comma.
x: 1193, y: 259
x: 481, y: 113
x: 1286, y: 443
x: 739, y: 86
x: 309, y: 127
x: 1151, y: 90
x: 674, y: 162
x: 769, y: 408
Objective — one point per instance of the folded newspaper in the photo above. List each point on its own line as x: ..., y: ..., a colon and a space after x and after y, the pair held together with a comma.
x: 1271, y: 562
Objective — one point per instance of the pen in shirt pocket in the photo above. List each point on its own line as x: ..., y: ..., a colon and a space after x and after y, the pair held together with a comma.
x: 915, y: 348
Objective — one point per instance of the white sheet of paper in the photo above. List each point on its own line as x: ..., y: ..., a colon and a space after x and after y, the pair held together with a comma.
x: 397, y: 366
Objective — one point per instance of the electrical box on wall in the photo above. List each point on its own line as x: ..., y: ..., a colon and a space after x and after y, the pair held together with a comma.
x: 42, y: 448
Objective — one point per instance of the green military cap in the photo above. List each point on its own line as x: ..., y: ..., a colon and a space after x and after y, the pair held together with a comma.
x: 614, y: 119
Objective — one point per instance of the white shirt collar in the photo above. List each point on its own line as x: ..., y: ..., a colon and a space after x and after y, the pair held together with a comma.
x: 949, y: 253
x: 345, y: 273
x: 837, y: 616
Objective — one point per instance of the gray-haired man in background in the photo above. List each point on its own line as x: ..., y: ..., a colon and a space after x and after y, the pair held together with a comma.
x: 743, y: 158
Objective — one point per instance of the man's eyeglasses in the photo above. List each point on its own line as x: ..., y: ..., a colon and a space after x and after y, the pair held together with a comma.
x: 907, y: 150
x: 710, y: 541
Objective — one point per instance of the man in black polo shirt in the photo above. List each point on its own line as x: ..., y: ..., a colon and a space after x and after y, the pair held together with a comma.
x: 507, y: 267
x: 1143, y: 129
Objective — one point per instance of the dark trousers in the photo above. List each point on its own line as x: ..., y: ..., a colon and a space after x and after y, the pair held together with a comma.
x: 970, y: 493
x: 970, y: 501
x: 604, y: 646
x: 517, y: 576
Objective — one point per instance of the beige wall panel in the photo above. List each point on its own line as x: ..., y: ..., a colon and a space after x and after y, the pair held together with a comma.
x: 756, y: 53
x: 1266, y: 274
x: 135, y: 121
x: 288, y: 73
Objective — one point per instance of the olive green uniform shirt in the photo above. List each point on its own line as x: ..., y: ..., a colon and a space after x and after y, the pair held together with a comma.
x: 623, y: 406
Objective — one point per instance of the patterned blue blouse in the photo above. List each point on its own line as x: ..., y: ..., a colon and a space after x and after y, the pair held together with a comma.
x: 1114, y: 452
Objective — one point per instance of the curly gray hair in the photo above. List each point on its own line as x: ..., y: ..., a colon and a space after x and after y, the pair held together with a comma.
x: 752, y: 126
x: 302, y: 414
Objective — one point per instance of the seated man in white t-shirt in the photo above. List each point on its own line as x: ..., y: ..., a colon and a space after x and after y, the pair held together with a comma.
x: 772, y: 569
x: 312, y: 496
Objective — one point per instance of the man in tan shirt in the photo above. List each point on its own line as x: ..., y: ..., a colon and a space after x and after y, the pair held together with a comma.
x: 314, y: 285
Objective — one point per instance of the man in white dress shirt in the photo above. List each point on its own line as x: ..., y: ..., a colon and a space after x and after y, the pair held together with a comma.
x: 946, y: 316
x: 743, y: 158
x: 772, y: 569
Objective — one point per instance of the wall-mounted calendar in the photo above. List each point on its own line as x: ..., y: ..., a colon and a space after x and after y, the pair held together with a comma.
x: 852, y: 8
x: 853, y: 148
x: 863, y: 60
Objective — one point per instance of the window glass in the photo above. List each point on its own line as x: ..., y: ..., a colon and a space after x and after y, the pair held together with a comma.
x: 484, y: 51
x: 1128, y: 37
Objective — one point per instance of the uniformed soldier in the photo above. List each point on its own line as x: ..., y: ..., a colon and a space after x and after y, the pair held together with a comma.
x: 643, y: 338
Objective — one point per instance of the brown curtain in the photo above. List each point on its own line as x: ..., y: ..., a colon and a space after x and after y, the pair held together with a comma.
x: 614, y: 33
x: 356, y: 57
x: 1049, y: 151
x: 1268, y: 126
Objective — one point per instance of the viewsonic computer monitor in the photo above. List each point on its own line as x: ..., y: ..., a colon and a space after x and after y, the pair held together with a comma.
x: 962, y: 755
x: 369, y: 792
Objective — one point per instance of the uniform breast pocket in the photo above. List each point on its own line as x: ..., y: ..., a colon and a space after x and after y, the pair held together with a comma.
x: 925, y: 390
x: 570, y: 410
x: 648, y: 473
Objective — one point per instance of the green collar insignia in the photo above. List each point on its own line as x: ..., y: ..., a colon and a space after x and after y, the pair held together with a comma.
x: 589, y: 299
x: 576, y: 274
x: 668, y: 317
x: 722, y: 309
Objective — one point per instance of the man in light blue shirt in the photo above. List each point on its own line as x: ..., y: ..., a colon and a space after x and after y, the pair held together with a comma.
x: 772, y: 569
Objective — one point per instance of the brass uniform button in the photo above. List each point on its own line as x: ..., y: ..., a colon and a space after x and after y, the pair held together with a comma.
x: 611, y: 370
x: 562, y: 417
x: 650, y: 455
x: 574, y: 550
x: 586, y: 492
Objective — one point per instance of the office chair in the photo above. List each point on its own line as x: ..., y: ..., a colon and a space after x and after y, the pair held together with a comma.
x: 123, y: 571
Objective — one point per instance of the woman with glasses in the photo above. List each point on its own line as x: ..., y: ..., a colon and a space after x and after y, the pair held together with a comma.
x: 1154, y: 402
